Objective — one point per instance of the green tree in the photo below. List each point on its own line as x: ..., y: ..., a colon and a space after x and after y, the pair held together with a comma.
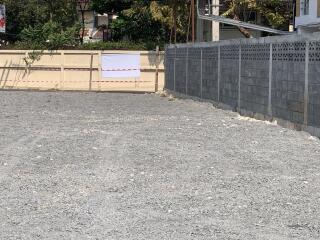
x: 277, y: 13
x: 174, y: 14
x: 22, y: 14
x: 82, y: 6
x: 110, y: 6
x: 51, y: 36
x: 144, y: 20
x: 137, y: 24
x: 274, y: 13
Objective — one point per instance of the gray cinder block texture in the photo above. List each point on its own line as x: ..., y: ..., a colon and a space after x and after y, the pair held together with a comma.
x: 276, y: 77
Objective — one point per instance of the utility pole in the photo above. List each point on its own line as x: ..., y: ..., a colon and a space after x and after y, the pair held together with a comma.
x: 215, y: 8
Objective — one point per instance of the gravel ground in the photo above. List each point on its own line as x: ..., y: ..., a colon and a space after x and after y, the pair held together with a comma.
x: 125, y: 166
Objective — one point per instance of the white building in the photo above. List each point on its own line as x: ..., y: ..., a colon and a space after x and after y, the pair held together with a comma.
x: 96, y: 25
x: 307, y: 16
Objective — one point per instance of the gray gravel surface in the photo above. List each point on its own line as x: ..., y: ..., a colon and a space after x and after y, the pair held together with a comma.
x: 125, y: 166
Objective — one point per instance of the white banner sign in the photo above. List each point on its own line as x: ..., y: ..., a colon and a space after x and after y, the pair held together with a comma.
x: 2, y: 18
x: 121, y: 66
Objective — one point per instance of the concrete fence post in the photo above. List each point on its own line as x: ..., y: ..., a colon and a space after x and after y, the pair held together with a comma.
x: 201, y: 73
x: 156, y: 84
x: 270, y: 80
x: 219, y: 72
x: 91, y: 69
x: 306, y: 85
x: 100, y: 69
x: 62, y: 69
x: 239, y: 83
x: 187, y: 68
x: 174, y: 68
x: 27, y: 75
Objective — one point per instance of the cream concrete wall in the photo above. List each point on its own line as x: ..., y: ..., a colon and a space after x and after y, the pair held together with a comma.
x: 75, y: 70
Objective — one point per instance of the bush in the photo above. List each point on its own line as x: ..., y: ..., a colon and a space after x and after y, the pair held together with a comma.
x: 122, y: 45
x: 49, y: 36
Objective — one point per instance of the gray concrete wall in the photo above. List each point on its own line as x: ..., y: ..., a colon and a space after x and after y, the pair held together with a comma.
x: 277, y: 77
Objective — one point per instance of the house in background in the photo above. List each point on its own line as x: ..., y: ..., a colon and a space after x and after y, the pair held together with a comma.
x: 307, y: 16
x: 96, y: 25
x: 215, y: 31
x: 101, y: 29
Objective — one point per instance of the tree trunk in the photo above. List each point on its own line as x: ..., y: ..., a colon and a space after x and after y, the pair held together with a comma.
x: 193, y: 28
x: 83, y: 27
x: 50, y: 5
x: 174, y: 15
x: 244, y: 31
x: 189, y: 22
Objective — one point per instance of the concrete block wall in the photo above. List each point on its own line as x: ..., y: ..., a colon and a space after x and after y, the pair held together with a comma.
x: 276, y: 77
x: 254, y: 89
x: 288, y: 81
x: 194, y: 71
x: 210, y: 73
x: 314, y: 84
x: 229, y: 75
x: 180, y: 71
x: 170, y: 70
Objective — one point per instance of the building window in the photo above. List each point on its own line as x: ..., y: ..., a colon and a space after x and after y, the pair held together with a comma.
x: 304, y: 7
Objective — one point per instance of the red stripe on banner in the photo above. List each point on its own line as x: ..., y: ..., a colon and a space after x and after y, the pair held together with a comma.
x: 121, y: 81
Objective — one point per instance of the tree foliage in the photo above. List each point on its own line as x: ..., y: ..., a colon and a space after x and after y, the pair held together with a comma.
x: 137, y: 24
x: 22, y: 14
x: 110, y: 6
x: 274, y: 13
x: 155, y: 21
x: 144, y: 20
x: 50, y: 35
x: 173, y: 14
